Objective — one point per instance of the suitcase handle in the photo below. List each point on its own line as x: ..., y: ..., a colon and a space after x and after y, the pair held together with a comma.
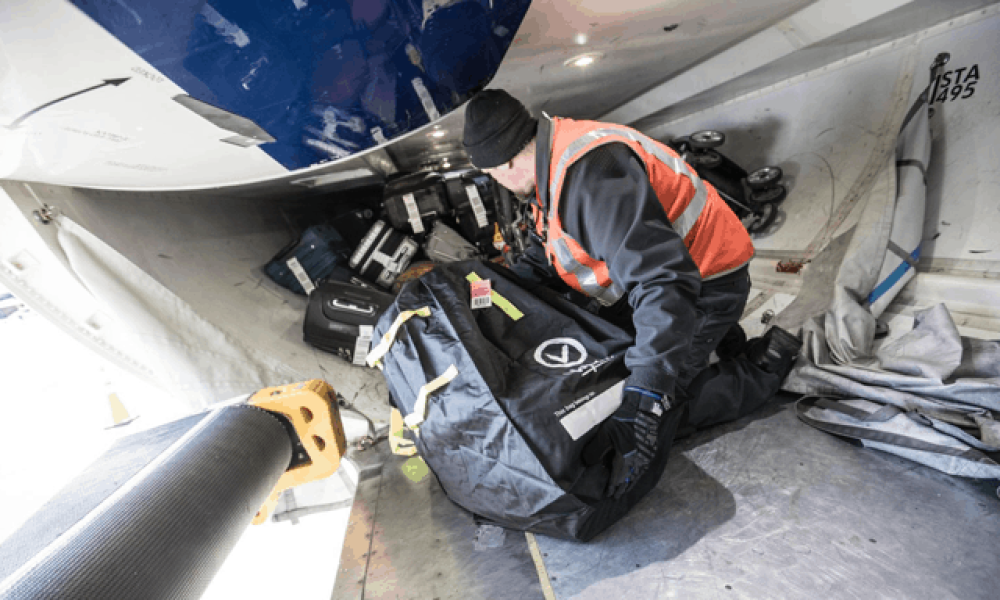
x: 361, y: 309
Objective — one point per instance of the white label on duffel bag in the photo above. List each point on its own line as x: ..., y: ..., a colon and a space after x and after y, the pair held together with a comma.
x: 300, y: 274
x: 477, y: 206
x: 363, y: 344
x: 413, y: 213
x: 593, y: 412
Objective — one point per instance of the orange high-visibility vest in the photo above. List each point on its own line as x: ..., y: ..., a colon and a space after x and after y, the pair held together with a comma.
x: 712, y: 233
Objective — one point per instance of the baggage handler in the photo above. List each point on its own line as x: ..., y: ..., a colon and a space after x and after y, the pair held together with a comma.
x: 622, y: 219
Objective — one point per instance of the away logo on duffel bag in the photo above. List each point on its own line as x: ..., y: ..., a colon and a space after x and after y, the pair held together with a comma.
x: 567, y: 353
x: 560, y: 353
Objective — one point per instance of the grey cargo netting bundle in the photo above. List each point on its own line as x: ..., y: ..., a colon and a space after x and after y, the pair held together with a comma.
x: 930, y: 395
x: 504, y: 399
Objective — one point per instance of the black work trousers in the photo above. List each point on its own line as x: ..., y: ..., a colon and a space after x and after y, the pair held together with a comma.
x: 728, y: 389
x: 723, y: 391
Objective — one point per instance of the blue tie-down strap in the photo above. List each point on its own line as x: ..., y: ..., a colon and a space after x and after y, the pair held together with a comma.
x: 893, y: 278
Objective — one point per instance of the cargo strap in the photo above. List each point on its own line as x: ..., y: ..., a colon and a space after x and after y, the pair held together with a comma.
x: 861, y: 433
x: 414, y: 419
x: 498, y: 300
x: 543, y: 574
x: 375, y: 356
x: 398, y: 442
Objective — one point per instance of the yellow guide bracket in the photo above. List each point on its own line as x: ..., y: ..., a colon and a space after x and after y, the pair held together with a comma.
x: 311, y: 408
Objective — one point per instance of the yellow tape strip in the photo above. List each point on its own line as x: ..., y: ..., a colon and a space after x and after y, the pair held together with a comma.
x: 543, y: 574
x: 399, y: 444
x: 499, y: 301
x: 414, y: 419
x: 379, y: 351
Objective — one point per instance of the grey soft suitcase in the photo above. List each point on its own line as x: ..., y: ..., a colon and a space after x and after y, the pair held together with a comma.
x: 445, y: 245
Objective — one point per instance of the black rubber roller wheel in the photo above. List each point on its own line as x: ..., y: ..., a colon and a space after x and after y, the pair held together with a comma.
x: 764, y: 177
x: 763, y: 217
x: 707, y: 139
x: 706, y: 158
x: 771, y: 195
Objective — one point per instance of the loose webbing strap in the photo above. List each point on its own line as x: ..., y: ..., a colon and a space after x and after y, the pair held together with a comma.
x: 861, y: 433
x: 375, y: 356
x: 414, y: 419
x: 880, y: 416
x: 398, y: 442
x: 498, y: 300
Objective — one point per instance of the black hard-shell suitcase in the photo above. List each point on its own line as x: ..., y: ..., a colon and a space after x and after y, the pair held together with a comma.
x: 472, y: 198
x: 383, y: 254
x: 414, y: 202
x: 340, y: 317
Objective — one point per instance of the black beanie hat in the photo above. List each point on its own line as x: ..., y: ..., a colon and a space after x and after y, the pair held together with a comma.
x: 497, y: 128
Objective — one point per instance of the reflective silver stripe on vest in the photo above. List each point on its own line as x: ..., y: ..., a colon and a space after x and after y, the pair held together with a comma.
x: 585, y: 275
x: 682, y: 224
x: 728, y: 271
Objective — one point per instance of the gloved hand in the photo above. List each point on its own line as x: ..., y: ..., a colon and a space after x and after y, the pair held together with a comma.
x: 631, y: 433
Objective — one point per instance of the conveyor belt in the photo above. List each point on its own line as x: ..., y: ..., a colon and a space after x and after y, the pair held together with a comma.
x: 153, y: 518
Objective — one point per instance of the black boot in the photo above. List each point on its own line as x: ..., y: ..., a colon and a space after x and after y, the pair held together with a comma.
x: 733, y: 343
x: 775, y: 351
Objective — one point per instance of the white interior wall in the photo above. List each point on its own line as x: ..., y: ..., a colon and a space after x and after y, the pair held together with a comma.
x: 825, y: 134
x: 208, y: 251
x: 824, y: 129
x: 878, y: 34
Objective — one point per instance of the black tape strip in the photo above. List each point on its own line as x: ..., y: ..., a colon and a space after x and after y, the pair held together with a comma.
x: 912, y: 162
x: 883, y: 414
x: 915, y: 108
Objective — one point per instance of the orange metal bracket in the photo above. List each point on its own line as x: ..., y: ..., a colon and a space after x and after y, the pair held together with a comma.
x: 311, y: 407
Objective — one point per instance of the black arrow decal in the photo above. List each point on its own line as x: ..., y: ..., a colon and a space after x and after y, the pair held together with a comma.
x: 21, y: 119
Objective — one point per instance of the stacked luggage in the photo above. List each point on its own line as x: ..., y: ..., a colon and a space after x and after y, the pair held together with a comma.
x: 539, y: 373
x: 350, y: 260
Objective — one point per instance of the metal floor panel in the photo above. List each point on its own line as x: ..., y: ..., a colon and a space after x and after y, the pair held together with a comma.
x: 762, y: 508
x: 770, y: 508
x: 407, y: 541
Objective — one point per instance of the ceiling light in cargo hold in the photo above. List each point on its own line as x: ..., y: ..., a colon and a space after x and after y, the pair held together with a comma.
x: 582, y: 60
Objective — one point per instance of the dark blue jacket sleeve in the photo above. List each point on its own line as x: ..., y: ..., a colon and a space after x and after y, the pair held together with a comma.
x: 610, y: 208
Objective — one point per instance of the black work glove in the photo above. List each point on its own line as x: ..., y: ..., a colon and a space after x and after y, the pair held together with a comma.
x: 631, y: 434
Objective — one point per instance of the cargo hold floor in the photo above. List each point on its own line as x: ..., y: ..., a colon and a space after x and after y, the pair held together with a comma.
x: 762, y: 508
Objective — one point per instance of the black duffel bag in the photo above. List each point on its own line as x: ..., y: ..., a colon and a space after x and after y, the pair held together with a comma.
x: 503, y: 400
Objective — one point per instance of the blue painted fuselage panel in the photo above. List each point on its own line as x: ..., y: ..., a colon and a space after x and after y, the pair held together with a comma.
x: 323, y: 77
